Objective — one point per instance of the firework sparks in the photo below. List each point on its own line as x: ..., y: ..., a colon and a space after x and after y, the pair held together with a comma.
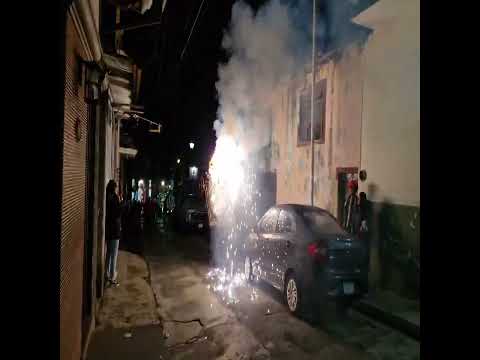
x: 227, y: 173
x: 233, y: 201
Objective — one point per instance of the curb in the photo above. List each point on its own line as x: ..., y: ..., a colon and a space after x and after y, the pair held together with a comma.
x: 149, y: 281
x: 392, y: 320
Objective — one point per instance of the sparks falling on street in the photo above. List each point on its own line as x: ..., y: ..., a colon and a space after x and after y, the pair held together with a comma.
x: 232, y: 202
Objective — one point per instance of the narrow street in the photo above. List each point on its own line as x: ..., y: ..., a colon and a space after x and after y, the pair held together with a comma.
x: 199, y: 324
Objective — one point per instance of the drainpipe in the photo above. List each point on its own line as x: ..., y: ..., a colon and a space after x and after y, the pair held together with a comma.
x: 362, y: 72
x: 312, y: 112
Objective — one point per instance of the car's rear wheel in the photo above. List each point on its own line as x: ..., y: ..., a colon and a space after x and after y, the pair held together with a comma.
x: 292, y: 294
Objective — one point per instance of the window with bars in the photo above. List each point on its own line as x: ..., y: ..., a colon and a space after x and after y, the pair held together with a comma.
x: 319, y: 114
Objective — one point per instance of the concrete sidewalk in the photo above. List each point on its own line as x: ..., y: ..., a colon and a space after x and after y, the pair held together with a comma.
x: 128, y: 325
x: 392, y: 310
x: 143, y: 342
x: 132, y: 303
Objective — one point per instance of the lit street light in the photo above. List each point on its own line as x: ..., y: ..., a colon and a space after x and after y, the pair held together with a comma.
x: 163, y: 182
x: 178, y: 161
x: 192, y: 145
x: 193, y: 172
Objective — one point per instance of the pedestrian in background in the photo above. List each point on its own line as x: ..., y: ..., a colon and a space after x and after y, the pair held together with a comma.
x: 112, y: 231
x: 363, y: 231
x: 363, y: 207
x: 141, y: 192
x: 351, y: 222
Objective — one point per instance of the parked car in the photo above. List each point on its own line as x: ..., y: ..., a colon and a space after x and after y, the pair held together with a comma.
x: 192, y: 213
x: 304, y: 252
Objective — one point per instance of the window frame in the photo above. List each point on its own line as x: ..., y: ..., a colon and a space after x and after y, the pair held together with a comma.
x: 305, y: 100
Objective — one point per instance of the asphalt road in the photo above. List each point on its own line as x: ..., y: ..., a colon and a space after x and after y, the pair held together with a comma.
x: 208, y: 317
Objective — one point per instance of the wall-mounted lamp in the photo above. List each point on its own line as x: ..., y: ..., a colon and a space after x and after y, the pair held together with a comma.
x: 156, y: 130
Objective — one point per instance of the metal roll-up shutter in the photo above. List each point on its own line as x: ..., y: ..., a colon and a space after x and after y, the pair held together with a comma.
x: 73, y: 200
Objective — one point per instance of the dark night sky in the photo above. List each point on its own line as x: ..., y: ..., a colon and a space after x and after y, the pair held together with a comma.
x: 179, y: 94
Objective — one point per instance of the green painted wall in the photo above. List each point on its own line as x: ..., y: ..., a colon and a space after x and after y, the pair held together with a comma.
x: 395, y: 248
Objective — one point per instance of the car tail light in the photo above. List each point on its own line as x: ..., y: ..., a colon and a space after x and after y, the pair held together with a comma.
x: 318, y: 252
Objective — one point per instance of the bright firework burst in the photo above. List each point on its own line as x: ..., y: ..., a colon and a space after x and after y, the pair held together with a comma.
x: 227, y: 174
x: 232, y: 200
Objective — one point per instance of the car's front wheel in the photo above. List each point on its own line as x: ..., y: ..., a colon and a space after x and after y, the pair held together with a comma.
x: 293, y: 295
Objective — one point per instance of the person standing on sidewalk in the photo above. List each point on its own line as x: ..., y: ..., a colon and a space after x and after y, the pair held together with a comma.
x: 363, y: 208
x: 363, y: 231
x: 112, y: 231
x: 351, y: 221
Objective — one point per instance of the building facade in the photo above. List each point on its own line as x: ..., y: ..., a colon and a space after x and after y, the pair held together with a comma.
x: 94, y: 106
x: 391, y: 140
x: 336, y: 131
x: 82, y: 48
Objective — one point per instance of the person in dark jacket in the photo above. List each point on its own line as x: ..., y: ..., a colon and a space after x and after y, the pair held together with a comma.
x: 363, y: 231
x: 363, y: 207
x: 351, y: 221
x: 112, y: 231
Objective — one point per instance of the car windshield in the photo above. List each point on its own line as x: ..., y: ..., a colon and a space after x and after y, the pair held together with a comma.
x: 321, y: 223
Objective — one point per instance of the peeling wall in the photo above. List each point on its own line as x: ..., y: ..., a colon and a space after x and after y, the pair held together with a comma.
x: 292, y: 162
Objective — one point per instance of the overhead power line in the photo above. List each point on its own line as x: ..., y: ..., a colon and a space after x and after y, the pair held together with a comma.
x: 191, y: 30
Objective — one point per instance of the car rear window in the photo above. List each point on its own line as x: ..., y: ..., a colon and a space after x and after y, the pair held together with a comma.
x: 269, y: 222
x: 320, y: 222
x: 286, y: 222
x: 193, y: 203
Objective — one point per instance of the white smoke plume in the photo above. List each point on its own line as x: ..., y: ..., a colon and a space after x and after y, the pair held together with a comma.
x: 266, y: 48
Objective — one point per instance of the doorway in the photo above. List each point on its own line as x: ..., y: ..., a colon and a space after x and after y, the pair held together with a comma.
x: 342, y: 195
x: 344, y: 175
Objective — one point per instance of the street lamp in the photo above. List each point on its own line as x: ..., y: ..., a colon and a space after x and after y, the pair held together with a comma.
x: 163, y: 182
x: 193, y: 172
x: 178, y: 161
x: 192, y: 145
